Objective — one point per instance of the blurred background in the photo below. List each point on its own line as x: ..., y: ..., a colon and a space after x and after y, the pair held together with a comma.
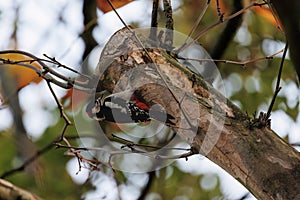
x: 71, y: 31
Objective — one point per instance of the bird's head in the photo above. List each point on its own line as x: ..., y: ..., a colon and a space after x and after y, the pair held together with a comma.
x: 93, y: 108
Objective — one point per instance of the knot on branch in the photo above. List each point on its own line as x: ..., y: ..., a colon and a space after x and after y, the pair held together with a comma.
x: 262, y: 121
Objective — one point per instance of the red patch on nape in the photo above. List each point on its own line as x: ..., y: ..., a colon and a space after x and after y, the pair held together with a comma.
x: 138, y: 103
x: 142, y: 105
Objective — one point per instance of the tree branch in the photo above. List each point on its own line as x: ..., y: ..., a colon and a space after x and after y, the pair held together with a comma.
x: 256, y: 157
x: 11, y: 192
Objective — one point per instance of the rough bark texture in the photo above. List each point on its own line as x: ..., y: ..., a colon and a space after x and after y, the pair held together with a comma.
x: 257, y: 157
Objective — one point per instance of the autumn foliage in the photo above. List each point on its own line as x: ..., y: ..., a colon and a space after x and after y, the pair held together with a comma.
x: 20, y: 73
x: 104, y: 6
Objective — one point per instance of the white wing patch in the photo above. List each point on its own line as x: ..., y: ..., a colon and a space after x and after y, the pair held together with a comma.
x: 116, y: 106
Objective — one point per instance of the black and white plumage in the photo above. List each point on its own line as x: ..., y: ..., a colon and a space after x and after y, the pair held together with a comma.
x: 112, y: 108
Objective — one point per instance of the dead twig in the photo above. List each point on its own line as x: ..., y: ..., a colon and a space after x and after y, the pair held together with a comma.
x: 277, y: 88
x: 263, y: 119
x: 242, y: 63
x: 201, y: 33
x: 61, y: 109
x: 46, y: 72
x: 56, y: 62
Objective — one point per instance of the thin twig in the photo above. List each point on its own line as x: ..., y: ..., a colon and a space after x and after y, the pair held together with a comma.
x: 41, y: 72
x: 132, y: 144
x: 195, y: 25
x: 201, y: 33
x: 54, y: 61
x: 114, y: 9
x: 75, y: 151
x: 61, y: 109
x: 242, y: 63
x: 46, y: 72
x: 277, y: 88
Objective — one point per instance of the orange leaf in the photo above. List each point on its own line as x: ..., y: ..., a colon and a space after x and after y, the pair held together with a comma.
x: 23, y: 75
x: 267, y: 14
x: 104, y: 6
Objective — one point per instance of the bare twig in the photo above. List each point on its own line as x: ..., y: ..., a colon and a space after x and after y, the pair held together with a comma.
x: 46, y: 72
x: 114, y: 9
x: 40, y: 72
x: 75, y: 151
x: 277, y: 88
x: 242, y: 63
x: 132, y: 144
x: 54, y: 61
x: 201, y: 33
x: 228, y: 33
x: 61, y: 108
x: 195, y: 25
x: 263, y: 119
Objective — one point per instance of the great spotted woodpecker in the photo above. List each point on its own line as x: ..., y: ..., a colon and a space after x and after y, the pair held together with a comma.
x: 112, y: 108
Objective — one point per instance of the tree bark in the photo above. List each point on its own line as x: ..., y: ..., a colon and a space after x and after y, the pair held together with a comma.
x: 214, y: 127
x: 259, y: 159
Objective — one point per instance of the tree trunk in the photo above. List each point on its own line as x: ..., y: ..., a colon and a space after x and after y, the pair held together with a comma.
x: 251, y: 152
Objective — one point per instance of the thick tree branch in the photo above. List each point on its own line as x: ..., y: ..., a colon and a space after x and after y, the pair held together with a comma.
x: 257, y: 157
